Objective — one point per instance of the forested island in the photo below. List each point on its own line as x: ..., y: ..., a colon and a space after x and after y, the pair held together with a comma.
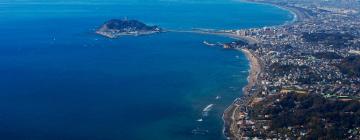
x: 122, y: 27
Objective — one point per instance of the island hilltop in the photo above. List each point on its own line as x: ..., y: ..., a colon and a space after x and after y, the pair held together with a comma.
x: 121, y: 27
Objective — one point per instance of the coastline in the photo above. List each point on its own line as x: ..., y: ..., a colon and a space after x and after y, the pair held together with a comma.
x: 228, y: 117
x: 229, y: 114
x: 297, y: 15
x: 247, y: 39
x: 255, y: 70
x: 117, y: 35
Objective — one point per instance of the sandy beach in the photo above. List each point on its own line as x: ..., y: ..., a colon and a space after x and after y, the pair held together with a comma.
x: 229, y: 115
x: 255, y: 70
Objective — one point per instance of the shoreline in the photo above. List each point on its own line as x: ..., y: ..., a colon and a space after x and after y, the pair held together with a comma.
x: 255, y: 70
x: 228, y: 117
x: 229, y: 113
x: 247, y: 39
x: 117, y: 35
x: 297, y: 15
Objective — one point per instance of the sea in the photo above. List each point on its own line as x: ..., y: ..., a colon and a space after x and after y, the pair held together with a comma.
x: 61, y: 81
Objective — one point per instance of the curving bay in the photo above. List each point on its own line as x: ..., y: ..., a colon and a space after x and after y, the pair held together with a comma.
x: 59, y: 80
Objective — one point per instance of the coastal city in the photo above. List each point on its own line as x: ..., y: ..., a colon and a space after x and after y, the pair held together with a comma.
x: 305, y: 75
x: 180, y: 70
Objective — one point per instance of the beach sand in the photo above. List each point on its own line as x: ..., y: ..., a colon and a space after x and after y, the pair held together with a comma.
x: 229, y: 116
x: 255, y: 70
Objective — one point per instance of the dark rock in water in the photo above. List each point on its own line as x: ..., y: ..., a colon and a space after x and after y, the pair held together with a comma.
x: 117, y: 27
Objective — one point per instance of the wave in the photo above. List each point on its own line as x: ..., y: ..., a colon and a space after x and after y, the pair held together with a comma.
x: 207, y: 109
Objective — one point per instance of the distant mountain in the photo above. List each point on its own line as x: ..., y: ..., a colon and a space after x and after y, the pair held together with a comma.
x: 117, y: 27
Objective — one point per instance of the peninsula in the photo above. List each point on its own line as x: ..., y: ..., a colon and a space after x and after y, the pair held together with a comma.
x: 117, y: 27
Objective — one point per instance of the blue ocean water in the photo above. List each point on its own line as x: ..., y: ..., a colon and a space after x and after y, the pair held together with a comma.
x: 59, y: 80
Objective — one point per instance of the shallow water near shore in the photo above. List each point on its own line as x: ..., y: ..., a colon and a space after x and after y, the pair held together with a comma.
x: 61, y: 81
